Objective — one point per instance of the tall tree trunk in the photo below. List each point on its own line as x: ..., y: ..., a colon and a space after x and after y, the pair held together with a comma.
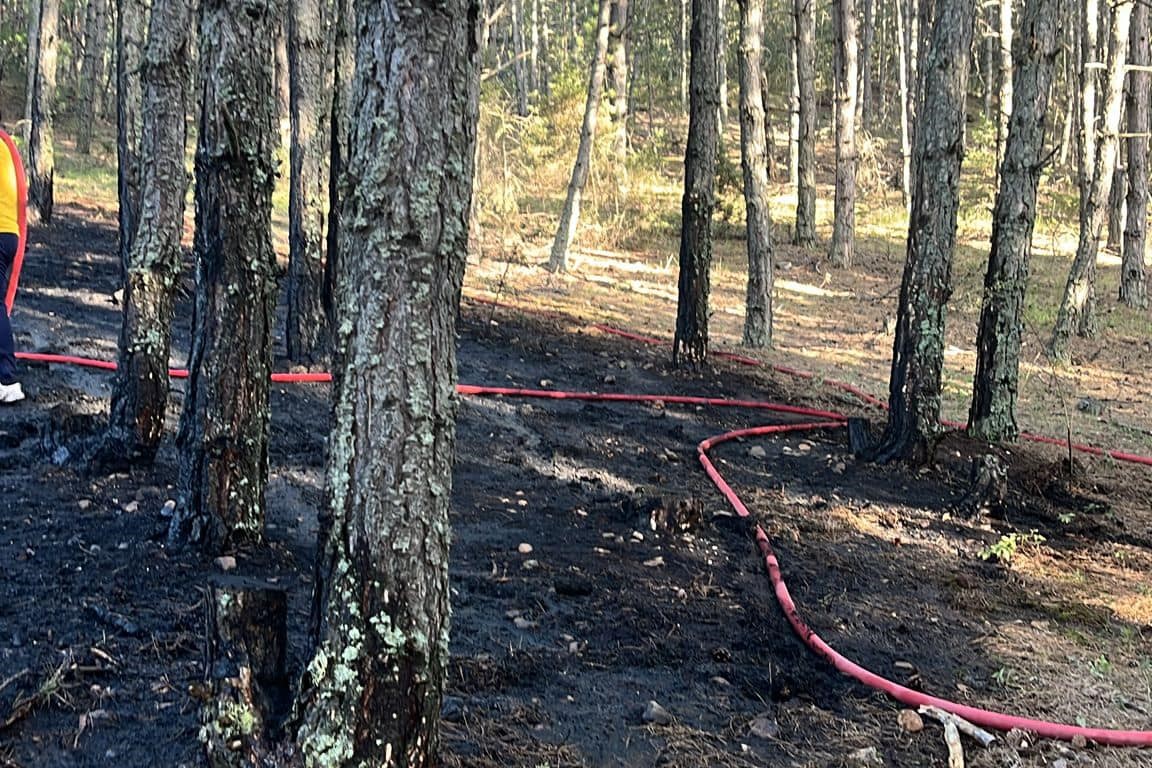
x: 722, y: 63
x: 690, y: 344
x: 534, y: 79
x: 92, y: 72
x: 343, y: 65
x: 1071, y: 67
x: 918, y: 351
x: 864, y: 94
x: 1133, y: 280
x: 41, y: 153
x: 793, y: 115
x: 903, y: 70
x: 223, y: 436
x: 988, y: 58
x: 570, y: 216
x: 140, y: 394
x: 1117, y: 199
x: 131, y: 25
x: 685, y: 20
x: 1089, y: 44
x: 1078, y: 307
x: 993, y: 412
x: 34, y: 14
x: 754, y: 157
x: 310, y: 84
x: 519, y: 56
x: 804, y: 15
x: 1005, y: 111
x: 617, y: 66
x: 375, y: 684
x: 846, y: 85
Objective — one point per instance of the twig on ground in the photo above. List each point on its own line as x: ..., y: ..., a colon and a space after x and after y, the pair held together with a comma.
x: 968, y: 729
x: 952, y: 739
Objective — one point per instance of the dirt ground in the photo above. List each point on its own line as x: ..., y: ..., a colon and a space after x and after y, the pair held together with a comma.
x: 594, y: 568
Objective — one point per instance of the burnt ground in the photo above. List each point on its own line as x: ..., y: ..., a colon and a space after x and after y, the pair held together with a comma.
x: 639, y: 584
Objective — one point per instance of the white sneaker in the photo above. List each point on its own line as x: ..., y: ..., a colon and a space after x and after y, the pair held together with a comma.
x: 11, y: 393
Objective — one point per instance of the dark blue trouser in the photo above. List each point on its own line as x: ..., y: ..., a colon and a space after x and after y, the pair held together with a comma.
x: 8, y: 244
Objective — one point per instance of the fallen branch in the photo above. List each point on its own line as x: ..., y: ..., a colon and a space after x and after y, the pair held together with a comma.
x: 952, y: 739
x: 963, y: 726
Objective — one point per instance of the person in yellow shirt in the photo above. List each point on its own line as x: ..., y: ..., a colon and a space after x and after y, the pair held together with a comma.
x: 12, y: 201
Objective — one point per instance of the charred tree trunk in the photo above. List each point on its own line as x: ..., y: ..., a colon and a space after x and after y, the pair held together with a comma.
x: 1133, y: 279
x: 918, y: 351
x: 310, y: 85
x: 374, y: 686
x: 805, y: 25
x: 41, y: 153
x: 846, y: 78
x: 223, y: 436
x: 570, y: 216
x: 993, y: 412
x: 131, y: 25
x: 343, y: 63
x: 753, y: 156
x: 140, y: 395
x: 246, y: 671
x: 690, y: 344
x: 92, y: 72
x: 905, y: 75
x: 1078, y: 307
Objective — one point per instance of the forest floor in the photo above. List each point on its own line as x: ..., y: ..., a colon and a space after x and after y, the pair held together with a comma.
x: 637, y: 584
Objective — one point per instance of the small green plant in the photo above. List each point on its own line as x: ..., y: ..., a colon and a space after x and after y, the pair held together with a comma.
x: 1067, y: 517
x: 1101, y: 666
x: 1009, y: 544
x: 1003, y: 676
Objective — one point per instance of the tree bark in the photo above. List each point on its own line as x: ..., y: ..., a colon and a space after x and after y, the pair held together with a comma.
x: 1078, y: 307
x: 685, y: 21
x: 1133, y: 278
x: 722, y: 63
x: 1117, y: 200
x: 310, y: 84
x: 754, y: 162
x: 805, y: 27
x: 373, y: 689
x: 1005, y: 101
x: 41, y: 152
x: 904, y: 72
x: 918, y: 351
x: 846, y: 79
x: 92, y: 72
x: 343, y: 63
x: 993, y: 412
x: 131, y: 25
x: 223, y: 436
x: 1089, y: 43
x: 246, y: 670
x: 140, y: 393
x: 617, y: 69
x: 690, y: 344
x: 519, y: 56
x: 864, y: 93
x: 570, y: 216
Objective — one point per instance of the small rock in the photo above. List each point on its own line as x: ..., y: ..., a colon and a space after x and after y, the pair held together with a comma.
x: 757, y: 452
x: 721, y: 681
x: 225, y: 563
x: 60, y: 456
x: 84, y: 504
x: 910, y: 721
x: 574, y: 646
x: 168, y: 509
x: 804, y: 447
x: 609, y: 379
x: 131, y: 506
x: 656, y: 714
x: 545, y: 383
x: 1059, y: 763
x: 524, y: 549
x: 451, y: 709
x: 523, y: 623
x: 1079, y: 742
x: 867, y: 757
x: 1018, y: 739
x: 655, y: 562
x: 764, y: 726
x: 839, y: 468
x: 530, y: 565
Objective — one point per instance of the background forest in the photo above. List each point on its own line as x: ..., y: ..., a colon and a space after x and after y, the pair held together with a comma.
x: 943, y: 201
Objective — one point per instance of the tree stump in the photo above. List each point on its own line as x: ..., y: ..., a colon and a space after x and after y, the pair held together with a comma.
x: 987, y: 485
x: 249, y: 692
